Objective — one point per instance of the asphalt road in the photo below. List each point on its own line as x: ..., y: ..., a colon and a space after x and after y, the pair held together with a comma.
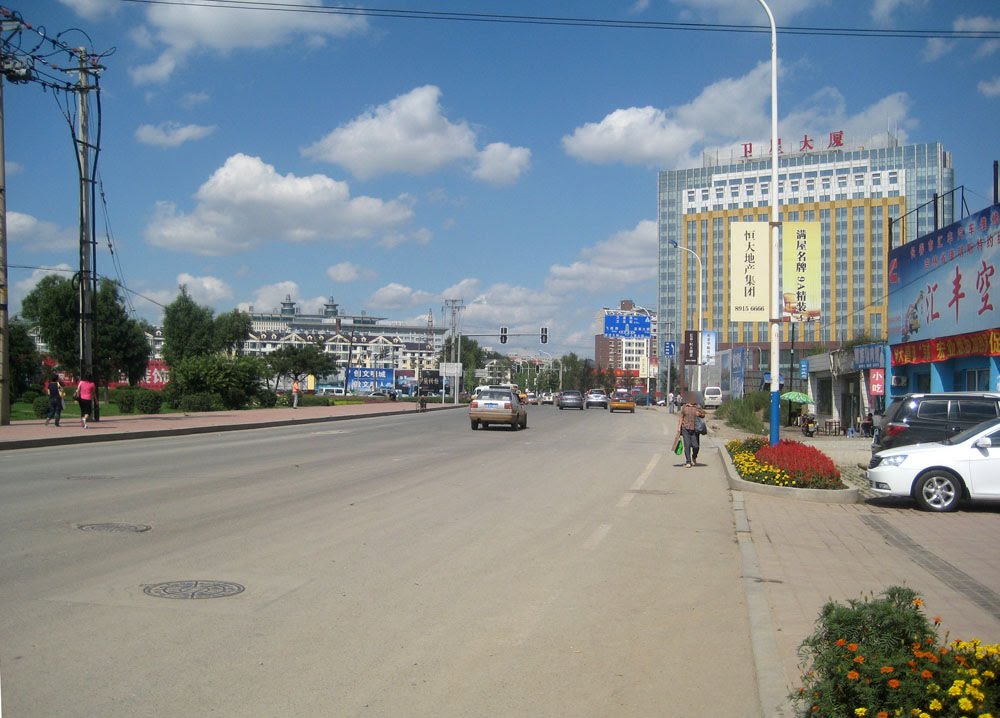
x: 392, y: 566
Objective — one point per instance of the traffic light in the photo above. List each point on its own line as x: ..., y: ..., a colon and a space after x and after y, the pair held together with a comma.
x: 545, y: 335
x: 503, y: 335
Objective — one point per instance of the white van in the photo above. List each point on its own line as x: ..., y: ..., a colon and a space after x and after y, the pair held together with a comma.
x: 712, y: 396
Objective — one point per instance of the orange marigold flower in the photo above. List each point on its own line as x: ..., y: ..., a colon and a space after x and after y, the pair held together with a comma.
x: 937, y: 620
x: 852, y: 646
x: 841, y: 642
x: 926, y: 674
x: 918, y: 602
x: 887, y: 669
x: 894, y: 683
x: 882, y: 714
x: 859, y: 659
x: 912, y: 664
x: 853, y: 675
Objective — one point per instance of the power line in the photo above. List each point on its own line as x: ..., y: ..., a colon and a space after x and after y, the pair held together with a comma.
x: 504, y: 18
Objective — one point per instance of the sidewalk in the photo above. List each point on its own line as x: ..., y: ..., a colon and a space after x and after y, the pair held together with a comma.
x: 798, y: 555
x: 34, y: 433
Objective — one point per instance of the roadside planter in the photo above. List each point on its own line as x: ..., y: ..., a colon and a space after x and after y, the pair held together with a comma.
x: 790, y: 469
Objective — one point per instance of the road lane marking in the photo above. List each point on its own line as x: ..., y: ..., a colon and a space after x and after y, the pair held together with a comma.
x: 638, y: 483
x: 595, y: 538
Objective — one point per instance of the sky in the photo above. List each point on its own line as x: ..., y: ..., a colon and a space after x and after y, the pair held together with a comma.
x: 396, y: 163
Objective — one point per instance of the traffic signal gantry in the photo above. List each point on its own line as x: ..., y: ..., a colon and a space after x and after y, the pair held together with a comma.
x: 543, y: 335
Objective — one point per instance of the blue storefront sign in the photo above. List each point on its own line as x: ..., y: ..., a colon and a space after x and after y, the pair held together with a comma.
x: 361, y: 380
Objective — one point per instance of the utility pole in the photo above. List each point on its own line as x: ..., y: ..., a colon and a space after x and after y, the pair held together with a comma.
x: 87, y: 278
x: 5, y: 388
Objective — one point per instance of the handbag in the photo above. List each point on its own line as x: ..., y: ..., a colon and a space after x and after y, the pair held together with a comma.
x: 700, y: 426
x: 679, y: 446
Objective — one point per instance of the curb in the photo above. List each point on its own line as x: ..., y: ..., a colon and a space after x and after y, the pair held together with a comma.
x: 825, y: 496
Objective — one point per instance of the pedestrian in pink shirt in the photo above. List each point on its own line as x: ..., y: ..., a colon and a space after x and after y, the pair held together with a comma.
x: 85, y: 393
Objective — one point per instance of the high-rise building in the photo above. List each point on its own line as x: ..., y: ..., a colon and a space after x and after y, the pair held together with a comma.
x: 857, y: 194
x: 631, y: 357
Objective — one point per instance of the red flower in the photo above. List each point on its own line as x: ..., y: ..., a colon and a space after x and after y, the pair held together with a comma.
x: 887, y: 669
x: 854, y: 675
x: 894, y: 683
x: 926, y: 674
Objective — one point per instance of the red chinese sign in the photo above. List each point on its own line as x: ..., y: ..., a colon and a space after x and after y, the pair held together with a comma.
x: 876, y: 382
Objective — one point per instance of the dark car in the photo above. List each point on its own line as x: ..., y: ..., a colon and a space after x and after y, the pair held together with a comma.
x: 921, y: 418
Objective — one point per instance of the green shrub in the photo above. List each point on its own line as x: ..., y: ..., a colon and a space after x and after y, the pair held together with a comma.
x: 267, y: 399
x: 201, y: 401
x: 171, y: 393
x: 879, y: 658
x: 313, y: 400
x: 40, y: 406
x: 125, y: 399
x: 29, y: 396
x: 148, y: 401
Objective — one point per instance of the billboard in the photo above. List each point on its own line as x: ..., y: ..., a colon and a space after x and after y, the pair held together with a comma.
x: 941, y: 284
x: 692, y: 345
x: 361, y: 380
x: 749, y: 271
x: 626, y: 326
x: 800, y: 272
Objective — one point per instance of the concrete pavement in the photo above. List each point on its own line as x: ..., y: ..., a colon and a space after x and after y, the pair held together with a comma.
x: 795, y: 555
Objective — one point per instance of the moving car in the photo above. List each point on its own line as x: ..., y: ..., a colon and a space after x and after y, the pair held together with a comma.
x: 595, y: 397
x: 914, y: 418
x: 940, y: 474
x: 712, y: 397
x: 547, y: 397
x: 498, y: 406
x: 570, y: 399
x: 532, y: 398
x: 622, y: 401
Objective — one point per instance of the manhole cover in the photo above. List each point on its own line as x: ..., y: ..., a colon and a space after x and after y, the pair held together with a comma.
x: 115, y: 528
x: 92, y: 477
x: 193, y: 589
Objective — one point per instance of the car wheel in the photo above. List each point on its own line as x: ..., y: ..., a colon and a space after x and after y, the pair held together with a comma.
x: 524, y: 424
x: 475, y: 425
x: 938, y: 490
x: 515, y: 425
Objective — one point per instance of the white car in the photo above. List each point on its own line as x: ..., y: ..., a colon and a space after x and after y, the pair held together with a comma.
x: 940, y: 474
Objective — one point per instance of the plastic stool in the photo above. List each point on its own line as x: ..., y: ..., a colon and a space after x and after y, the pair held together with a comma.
x: 850, y: 433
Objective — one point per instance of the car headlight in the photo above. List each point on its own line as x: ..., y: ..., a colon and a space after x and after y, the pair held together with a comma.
x: 894, y: 460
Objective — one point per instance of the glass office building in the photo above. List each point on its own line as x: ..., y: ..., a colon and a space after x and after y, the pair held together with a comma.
x: 866, y: 200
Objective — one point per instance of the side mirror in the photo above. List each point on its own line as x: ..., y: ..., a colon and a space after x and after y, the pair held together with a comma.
x: 984, y: 443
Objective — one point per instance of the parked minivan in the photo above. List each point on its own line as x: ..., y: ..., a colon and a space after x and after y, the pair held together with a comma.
x: 919, y: 418
x: 712, y: 397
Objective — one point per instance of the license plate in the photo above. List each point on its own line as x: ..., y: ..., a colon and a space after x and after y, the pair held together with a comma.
x: 491, y: 405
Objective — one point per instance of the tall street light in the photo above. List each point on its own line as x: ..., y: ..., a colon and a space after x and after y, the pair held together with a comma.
x: 775, y: 245
x: 700, y: 320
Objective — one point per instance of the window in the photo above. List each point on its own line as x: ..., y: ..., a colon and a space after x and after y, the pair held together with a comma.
x: 977, y: 409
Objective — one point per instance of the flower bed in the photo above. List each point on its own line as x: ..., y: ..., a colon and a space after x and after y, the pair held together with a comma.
x: 881, y: 658
x: 790, y: 464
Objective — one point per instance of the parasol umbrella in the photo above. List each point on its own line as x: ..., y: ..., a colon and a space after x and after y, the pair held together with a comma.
x: 797, y: 397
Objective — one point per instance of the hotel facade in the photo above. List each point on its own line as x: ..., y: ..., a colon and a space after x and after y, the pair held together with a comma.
x: 866, y: 200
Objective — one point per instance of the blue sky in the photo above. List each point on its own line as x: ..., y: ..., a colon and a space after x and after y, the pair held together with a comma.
x: 396, y: 163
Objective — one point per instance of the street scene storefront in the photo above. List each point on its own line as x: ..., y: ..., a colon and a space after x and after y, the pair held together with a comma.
x: 943, y: 326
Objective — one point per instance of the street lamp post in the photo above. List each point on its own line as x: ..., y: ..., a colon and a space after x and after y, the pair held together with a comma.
x: 775, y: 245
x: 700, y: 319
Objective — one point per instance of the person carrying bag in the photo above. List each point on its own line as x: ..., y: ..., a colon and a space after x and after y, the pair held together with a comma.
x: 689, y: 432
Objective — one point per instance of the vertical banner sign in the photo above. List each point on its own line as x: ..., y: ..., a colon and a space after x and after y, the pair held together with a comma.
x: 692, y: 344
x: 749, y: 269
x: 800, y: 272
x: 709, y: 342
x: 876, y: 382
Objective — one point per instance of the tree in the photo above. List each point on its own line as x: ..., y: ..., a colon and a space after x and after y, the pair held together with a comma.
x: 298, y: 362
x: 231, y: 330
x: 25, y: 361
x: 120, y: 342
x: 188, y: 330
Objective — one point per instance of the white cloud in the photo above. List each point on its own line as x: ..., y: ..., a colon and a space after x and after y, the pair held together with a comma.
x: 411, y: 134
x: 396, y: 296
x: 193, y: 99
x: 346, y: 272
x: 990, y: 88
x: 270, y: 296
x: 92, y: 9
x: 729, y: 108
x: 936, y: 48
x: 725, y: 113
x: 35, y: 235
x: 246, y: 203
x: 501, y: 164
x: 883, y: 10
x: 205, y: 290
x: 626, y: 259
x: 186, y: 30
x: 171, y: 134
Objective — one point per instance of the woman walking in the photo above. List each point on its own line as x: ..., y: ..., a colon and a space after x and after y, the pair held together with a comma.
x: 689, y: 432
x: 55, y: 392
x: 85, y: 391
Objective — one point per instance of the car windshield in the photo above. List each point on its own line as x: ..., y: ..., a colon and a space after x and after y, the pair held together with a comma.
x: 571, y: 393
x: 971, y: 431
x: 495, y: 395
